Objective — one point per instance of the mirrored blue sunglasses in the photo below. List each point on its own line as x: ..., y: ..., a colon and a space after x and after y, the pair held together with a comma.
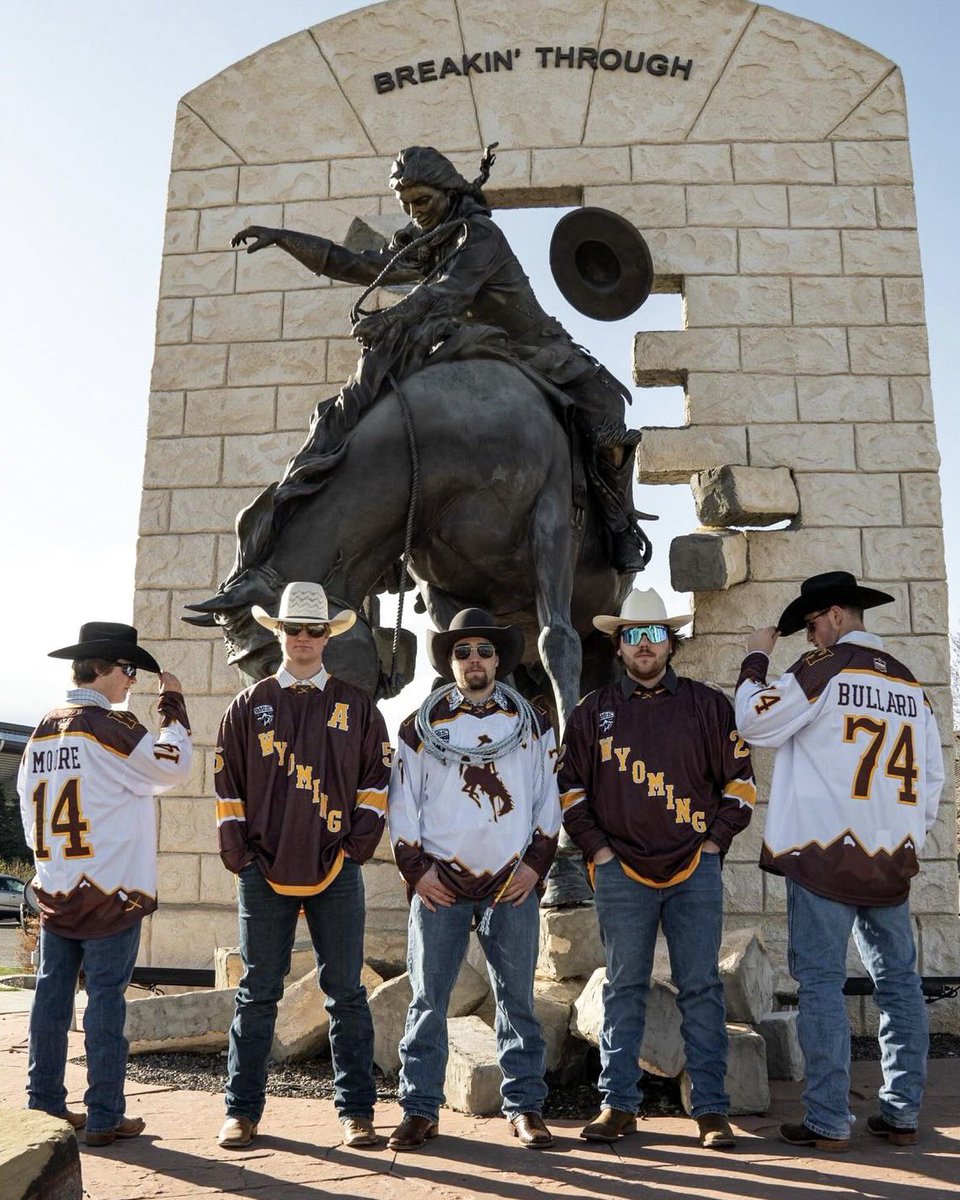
x: 631, y: 634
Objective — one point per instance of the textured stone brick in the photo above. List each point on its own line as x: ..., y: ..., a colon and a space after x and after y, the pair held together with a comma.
x: 166, y: 414
x: 714, y: 398
x: 257, y: 459
x: 904, y: 301
x: 284, y: 181
x: 180, y: 231
x: 832, y: 207
x: 702, y: 561
x: 782, y: 162
x: 681, y: 164
x: 883, y: 114
x: 838, y: 301
x: 873, y: 162
x: 472, y: 1082
x: 173, y: 321
x: 790, y: 252
x: 151, y: 613
x: 198, y: 274
x: 692, y: 251
x: 662, y: 357
x: 742, y: 888
x: 192, y: 1021
x: 167, y: 560
x: 218, y: 225
x: 217, y: 884
x: 911, y: 552
x: 295, y: 404
x: 794, y: 351
x: 921, y: 499
x: 324, y: 313
x: 738, y: 204
x: 803, y: 447
x: 727, y: 495
x: 647, y: 205
x: 899, y: 445
x: 271, y: 270
x: 880, y: 252
x: 840, y: 499
x: 714, y: 658
x: 717, y: 300
x: 843, y: 398
x: 889, y: 350
x: 896, y: 208
x: 569, y: 942
x: 737, y: 611
x: 178, y: 877
x: 187, y: 826
x: 207, y: 510
x: 154, y: 512
x: 237, y: 318
x: 593, y: 165
x: 188, y: 367
x: 672, y: 455
x: 784, y: 1056
x: 179, y: 462
x: 197, y: 189
x: 182, y: 935
x: 912, y: 399
x: 196, y: 146
x: 276, y: 362
x: 188, y: 660
x: 799, y: 553
x: 230, y: 410
x: 928, y: 607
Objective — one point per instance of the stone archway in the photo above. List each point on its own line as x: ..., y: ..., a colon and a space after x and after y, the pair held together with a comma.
x: 766, y: 161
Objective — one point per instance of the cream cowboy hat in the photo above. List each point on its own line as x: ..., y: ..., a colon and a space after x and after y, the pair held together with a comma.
x: 641, y: 607
x: 304, y: 604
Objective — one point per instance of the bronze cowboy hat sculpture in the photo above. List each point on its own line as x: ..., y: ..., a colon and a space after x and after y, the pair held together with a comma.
x: 601, y: 263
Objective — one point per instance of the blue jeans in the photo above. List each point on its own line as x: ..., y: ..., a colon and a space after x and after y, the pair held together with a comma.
x: 436, y: 946
x: 268, y: 925
x: 107, y: 964
x: 691, y: 914
x: 818, y: 932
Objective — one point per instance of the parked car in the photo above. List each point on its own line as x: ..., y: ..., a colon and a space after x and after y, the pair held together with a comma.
x: 11, y: 896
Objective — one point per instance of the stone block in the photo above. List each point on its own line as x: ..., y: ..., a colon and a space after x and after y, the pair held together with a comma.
x: 192, y: 1021
x: 218, y: 225
x: 783, y: 162
x: 746, y: 1081
x: 341, y: 359
x: 263, y: 363
x: 154, y: 512
x: 228, y: 965
x: 880, y: 252
x: 303, y: 1027
x: 208, y: 510
x: 883, y: 114
x: 904, y: 300
x: 662, y: 358
x: 167, y: 560
x: 833, y: 207
x: 738, y: 204
x: 821, y: 351
x: 199, y: 189
x: 180, y: 231
x: 928, y: 607
x: 873, y: 162
x: 784, y: 1056
x: 741, y: 608
x: 195, y: 144
x: 173, y: 322
x: 839, y: 300
x: 39, y: 1157
x: 896, y: 207
x: 281, y: 182
x: 717, y: 300
x: 188, y: 367
x: 389, y: 1003
x: 714, y: 658
x: 198, y: 274
x: 910, y: 552
x: 848, y: 499
x: 187, y: 825
x: 646, y: 205
x: 472, y: 1083
x: 383, y: 885
x: 359, y: 176
x: 259, y: 458
x: 323, y: 313
x: 692, y: 251
x: 912, y: 398
x: 273, y: 272
x: 707, y: 561
x: 183, y: 936
x: 803, y: 447
x: 681, y: 164
x: 385, y: 942
x: 593, y: 165
x: 673, y: 455
x: 715, y: 398
x: 217, y: 885
x: 178, y: 877
x: 295, y: 404
x: 166, y: 414
x: 553, y: 1005
x: 790, y: 252
x: 569, y: 942
x: 151, y: 613
x: 747, y: 975
x: 181, y: 462
x: 903, y: 446
x: 334, y: 218
x: 928, y: 657
x: 889, y: 350
x: 843, y: 398
x: 742, y: 888
x: 243, y: 318
x: 934, y: 892
x: 727, y: 495
x: 662, y: 1049
x: 799, y: 553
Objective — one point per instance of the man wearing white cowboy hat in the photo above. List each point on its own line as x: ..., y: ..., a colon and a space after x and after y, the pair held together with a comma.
x: 655, y: 783
x: 856, y: 784
x: 474, y: 819
x: 301, y: 775
x: 87, y: 782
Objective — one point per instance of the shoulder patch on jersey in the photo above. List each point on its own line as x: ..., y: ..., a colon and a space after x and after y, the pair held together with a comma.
x: 816, y: 656
x: 128, y: 720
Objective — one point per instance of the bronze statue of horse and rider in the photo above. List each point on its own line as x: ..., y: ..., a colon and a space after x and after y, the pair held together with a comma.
x: 475, y: 442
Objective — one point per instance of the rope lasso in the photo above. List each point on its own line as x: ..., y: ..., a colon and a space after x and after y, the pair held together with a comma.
x: 524, y: 731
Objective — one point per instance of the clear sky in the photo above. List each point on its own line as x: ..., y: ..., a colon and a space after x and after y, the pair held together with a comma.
x: 86, y: 128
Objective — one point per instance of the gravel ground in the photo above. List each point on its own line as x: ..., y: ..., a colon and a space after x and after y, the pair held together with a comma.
x: 313, y: 1080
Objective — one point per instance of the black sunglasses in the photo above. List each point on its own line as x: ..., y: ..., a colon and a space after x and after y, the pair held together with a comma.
x: 482, y: 649
x: 128, y: 669
x: 811, y: 622
x: 314, y: 631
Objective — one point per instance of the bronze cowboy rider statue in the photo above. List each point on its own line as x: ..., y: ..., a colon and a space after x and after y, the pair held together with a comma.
x: 472, y: 288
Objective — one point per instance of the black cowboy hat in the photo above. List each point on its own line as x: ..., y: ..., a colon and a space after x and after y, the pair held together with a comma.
x: 601, y: 263
x: 823, y: 591
x: 475, y: 622
x: 110, y: 641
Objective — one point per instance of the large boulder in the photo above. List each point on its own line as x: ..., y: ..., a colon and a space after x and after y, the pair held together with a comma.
x: 39, y: 1158
x: 193, y: 1021
x: 472, y: 1083
x: 569, y: 942
x: 746, y: 1080
x: 303, y: 1027
x: 662, y: 1048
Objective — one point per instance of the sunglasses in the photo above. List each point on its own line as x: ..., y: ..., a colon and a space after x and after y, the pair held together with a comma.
x: 314, y: 631
x: 811, y: 622
x: 653, y: 633
x: 483, y: 649
x: 128, y: 669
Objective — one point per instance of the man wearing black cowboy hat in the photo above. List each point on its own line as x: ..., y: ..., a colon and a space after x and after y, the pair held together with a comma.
x: 856, y: 784
x: 86, y: 783
x: 474, y: 818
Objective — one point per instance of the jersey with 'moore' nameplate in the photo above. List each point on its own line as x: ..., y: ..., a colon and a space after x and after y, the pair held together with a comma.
x: 87, y: 781
x: 858, y: 771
